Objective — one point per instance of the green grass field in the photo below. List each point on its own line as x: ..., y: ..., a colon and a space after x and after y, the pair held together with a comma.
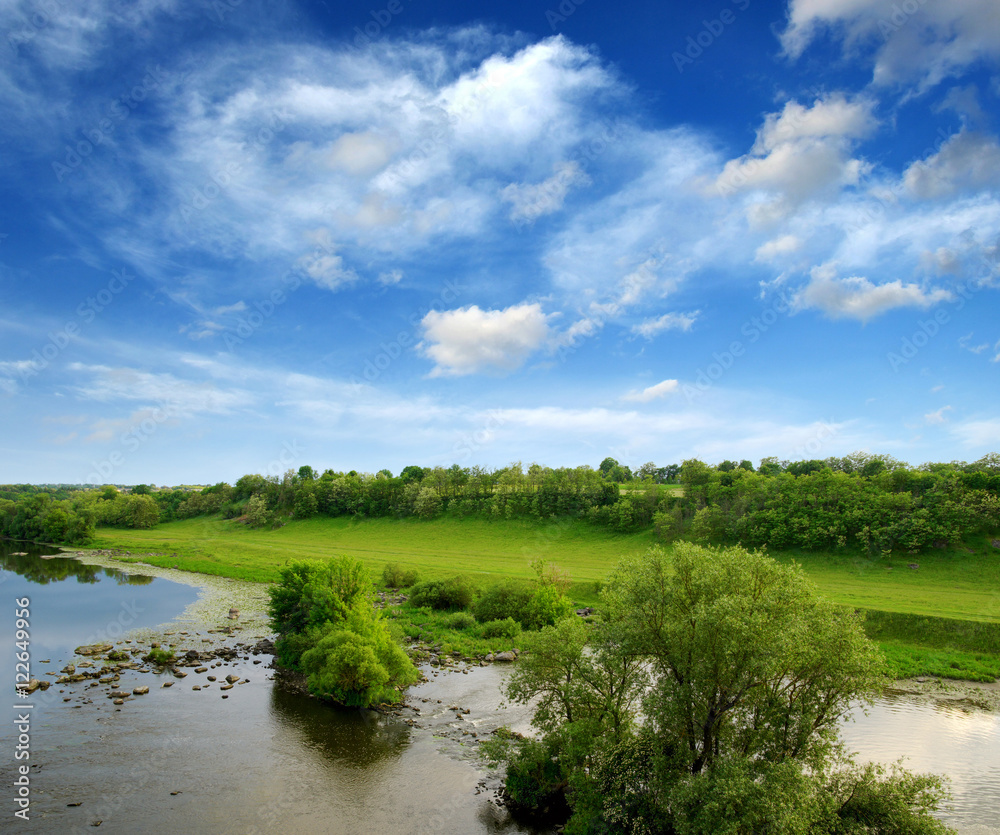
x: 939, y: 604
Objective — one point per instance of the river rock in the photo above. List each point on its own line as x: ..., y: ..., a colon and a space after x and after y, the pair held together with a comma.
x: 30, y: 686
x: 93, y: 649
x: 140, y: 691
x: 201, y: 670
x: 118, y: 694
x: 168, y: 684
x: 69, y: 669
x: 231, y: 679
x: 505, y: 656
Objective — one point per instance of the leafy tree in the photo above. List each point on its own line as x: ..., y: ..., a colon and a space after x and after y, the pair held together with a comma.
x: 751, y: 674
x: 329, y: 629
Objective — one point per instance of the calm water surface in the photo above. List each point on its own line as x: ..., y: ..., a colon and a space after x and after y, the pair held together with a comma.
x: 268, y: 759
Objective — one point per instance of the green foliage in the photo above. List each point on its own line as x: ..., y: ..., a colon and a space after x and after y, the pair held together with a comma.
x: 750, y: 675
x: 255, y: 512
x: 329, y: 629
x: 461, y: 621
x: 506, y: 598
x: 453, y: 593
x: 309, y: 595
x: 506, y: 628
x: 356, y: 662
x: 535, y: 781
x: 394, y: 576
x: 870, y: 798
x: 160, y: 656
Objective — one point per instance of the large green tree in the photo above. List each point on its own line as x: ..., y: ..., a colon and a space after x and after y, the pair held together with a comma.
x: 751, y: 674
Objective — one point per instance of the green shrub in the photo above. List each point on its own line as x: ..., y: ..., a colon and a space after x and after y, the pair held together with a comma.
x: 159, y: 656
x: 454, y: 593
x: 460, y: 621
x: 503, y: 599
x: 356, y: 663
x: 394, y: 576
x: 507, y: 628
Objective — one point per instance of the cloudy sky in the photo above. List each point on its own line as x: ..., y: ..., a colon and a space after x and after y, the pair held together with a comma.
x: 245, y: 235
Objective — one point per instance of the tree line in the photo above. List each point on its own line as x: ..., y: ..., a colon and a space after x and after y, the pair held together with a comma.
x: 861, y: 501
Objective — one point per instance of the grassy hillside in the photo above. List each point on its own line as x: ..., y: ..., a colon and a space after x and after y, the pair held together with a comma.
x: 941, y: 618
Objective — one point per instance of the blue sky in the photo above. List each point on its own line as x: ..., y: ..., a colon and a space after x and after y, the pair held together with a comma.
x: 245, y: 236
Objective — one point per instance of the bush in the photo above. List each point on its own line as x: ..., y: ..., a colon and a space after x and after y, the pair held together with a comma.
x: 159, y: 656
x: 394, y: 576
x: 504, y: 599
x: 454, y: 593
x: 460, y: 621
x: 507, y: 628
x: 356, y: 663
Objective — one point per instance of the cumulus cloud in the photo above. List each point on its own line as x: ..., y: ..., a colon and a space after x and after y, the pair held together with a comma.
x: 800, y: 152
x: 470, y: 340
x: 858, y: 298
x: 968, y: 161
x: 661, y: 389
x: 666, y: 322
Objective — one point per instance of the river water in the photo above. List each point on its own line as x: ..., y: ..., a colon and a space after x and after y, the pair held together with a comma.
x: 263, y: 757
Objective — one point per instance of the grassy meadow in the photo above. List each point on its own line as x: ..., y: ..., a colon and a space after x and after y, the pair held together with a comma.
x: 942, y: 618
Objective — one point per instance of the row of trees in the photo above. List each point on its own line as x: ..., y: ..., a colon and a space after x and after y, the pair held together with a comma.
x: 706, y: 700
x: 894, y: 509
x: 862, y: 501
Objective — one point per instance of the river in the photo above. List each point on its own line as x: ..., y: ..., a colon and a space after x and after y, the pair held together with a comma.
x: 262, y: 757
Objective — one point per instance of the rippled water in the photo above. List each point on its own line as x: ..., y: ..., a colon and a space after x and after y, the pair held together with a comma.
x: 268, y: 759
x: 961, y: 743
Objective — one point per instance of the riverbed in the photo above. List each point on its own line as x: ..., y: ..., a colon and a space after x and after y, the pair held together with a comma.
x: 260, y: 756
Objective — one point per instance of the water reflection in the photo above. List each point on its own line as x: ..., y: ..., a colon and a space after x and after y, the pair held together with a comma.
x: 32, y: 562
x: 354, y: 738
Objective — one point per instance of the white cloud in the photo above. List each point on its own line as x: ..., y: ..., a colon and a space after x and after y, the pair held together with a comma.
x: 925, y: 41
x: 773, y: 249
x: 470, y: 340
x: 531, y: 201
x: 938, y: 417
x: 964, y: 342
x: 800, y: 153
x: 360, y: 154
x: 177, y: 396
x: 327, y: 270
x: 668, y: 321
x: 978, y: 434
x: 968, y: 161
x: 661, y: 389
x: 858, y: 298
x: 390, y: 277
